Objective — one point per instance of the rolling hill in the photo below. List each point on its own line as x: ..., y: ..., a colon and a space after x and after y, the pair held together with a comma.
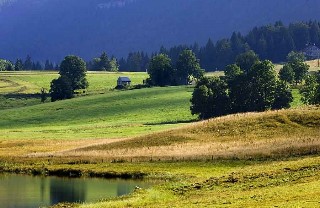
x: 243, y: 160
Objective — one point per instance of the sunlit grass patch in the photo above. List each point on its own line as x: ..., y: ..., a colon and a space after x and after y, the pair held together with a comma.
x: 114, y: 114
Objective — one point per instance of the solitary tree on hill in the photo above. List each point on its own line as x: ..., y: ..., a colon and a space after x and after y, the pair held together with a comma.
x: 72, y: 77
x: 74, y: 68
x: 61, y: 89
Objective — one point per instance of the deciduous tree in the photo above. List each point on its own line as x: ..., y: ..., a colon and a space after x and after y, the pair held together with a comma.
x: 160, y: 70
x: 61, y: 89
x: 188, y: 67
x: 5, y: 65
x: 286, y: 74
x: 246, y: 60
x: 300, y: 69
x: 257, y: 90
x: 311, y: 89
x: 210, y: 98
x: 74, y: 68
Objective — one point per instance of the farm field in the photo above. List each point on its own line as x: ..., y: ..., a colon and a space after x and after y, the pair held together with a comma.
x: 18, y: 89
x: 243, y: 160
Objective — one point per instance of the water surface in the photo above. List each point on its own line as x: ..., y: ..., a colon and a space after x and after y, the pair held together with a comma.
x: 28, y: 191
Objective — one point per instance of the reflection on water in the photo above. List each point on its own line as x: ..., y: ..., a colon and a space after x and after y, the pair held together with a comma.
x: 67, y: 190
x: 28, y: 191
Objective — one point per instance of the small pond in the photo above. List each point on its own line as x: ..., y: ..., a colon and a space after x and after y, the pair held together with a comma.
x: 30, y: 191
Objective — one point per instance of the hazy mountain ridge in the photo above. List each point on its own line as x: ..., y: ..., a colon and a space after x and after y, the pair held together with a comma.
x: 54, y: 28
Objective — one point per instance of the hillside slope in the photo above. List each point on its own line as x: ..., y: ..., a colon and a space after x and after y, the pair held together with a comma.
x: 52, y: 29
x: 276, y: 134
x: 115, y: 114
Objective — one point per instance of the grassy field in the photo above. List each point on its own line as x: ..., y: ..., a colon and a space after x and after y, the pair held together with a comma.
x: 243, y: 160
x: 313, y: 66
x: 278, y: 134
x: 26, y: 82
x: 114, y: 114
x: 19, y: 89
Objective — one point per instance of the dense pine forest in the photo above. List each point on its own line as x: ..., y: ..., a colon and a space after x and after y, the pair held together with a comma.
x: 272, y: 42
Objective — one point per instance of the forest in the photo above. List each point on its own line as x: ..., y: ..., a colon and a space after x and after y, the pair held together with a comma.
x: 273, y: 42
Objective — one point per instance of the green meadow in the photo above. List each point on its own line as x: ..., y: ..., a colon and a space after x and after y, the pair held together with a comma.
x: 268, y: 159
x: 111, y: 115
x: 18, y: 89
x: 32, y: 81
x: 102, y: 113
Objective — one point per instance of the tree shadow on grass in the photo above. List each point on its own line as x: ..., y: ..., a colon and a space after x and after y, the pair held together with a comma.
x: 171, y: 122
x: 22, y: 96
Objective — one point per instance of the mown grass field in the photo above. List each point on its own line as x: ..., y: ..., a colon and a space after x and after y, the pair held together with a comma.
x: 18, y: 89
x: 244, y: 160
x: 26, y: 82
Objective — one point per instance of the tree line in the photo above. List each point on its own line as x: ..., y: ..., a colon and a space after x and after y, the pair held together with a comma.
x: 272, y: 42
x: 26, y: 65
x: 102, y: 63
x: 163, y: 71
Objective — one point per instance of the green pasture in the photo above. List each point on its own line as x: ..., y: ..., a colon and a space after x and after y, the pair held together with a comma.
x: 31, y: 82
x: 114, y: 114
x: 296, y: 98
x: 104, y: 81
x: 102, y: 113
x: 19, y: 89
x: 291, y: 181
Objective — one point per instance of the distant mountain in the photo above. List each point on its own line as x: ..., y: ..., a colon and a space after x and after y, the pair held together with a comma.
x: 54, y: 28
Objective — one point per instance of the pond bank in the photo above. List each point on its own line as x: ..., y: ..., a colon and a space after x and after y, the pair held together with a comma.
x: 251, y: 183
